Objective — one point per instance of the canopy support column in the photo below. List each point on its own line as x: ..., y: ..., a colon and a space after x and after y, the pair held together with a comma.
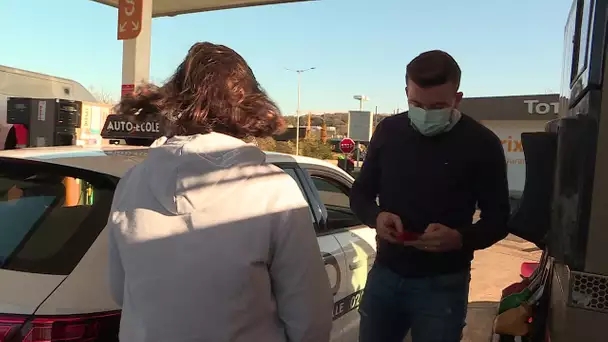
x: 136, y: 52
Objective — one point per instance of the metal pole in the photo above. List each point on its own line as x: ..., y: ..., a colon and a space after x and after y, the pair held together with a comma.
x: 300, y: 71
x: 348, y: 125
x: 375, y: 121
x: 361, y: 105
x: 298, y: 115
x: 358, y: 144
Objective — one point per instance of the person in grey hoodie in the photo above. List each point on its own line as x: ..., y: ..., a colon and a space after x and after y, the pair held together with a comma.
x: 208, y: 242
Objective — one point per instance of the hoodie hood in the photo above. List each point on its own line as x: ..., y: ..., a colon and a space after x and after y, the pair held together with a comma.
x: 191, y: 173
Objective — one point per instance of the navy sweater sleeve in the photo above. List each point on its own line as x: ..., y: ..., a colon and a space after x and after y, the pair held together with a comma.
x: 492, y: 193
x: 365, y: 190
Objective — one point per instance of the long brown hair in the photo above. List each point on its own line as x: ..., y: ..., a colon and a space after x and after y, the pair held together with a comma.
x: 212, y: 90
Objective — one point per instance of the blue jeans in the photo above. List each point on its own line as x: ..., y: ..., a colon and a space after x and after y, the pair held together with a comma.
x: 434, y: 308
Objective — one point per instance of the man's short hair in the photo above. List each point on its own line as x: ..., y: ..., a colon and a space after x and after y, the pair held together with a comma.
x: 433, y: 68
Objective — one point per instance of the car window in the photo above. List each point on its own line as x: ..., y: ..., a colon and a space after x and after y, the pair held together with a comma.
x: 335, y: 197
x: 294, y: 175
x: 49, y: 219
x: 22, y: 214
x: 331, y: 195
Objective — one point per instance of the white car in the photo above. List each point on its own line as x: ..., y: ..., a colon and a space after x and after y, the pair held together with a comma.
x: 53, y: 245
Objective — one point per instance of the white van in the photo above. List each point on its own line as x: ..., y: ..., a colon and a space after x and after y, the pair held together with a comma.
x: 21, y: 83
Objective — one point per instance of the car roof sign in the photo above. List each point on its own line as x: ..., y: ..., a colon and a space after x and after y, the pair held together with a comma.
x: 119, y: 127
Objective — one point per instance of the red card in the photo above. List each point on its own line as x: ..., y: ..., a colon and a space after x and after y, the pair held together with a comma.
x: 408, y: 236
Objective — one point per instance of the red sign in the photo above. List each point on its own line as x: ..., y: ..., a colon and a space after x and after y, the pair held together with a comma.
x: 347, y: 145
x: 127, y: 89
x: 129, y: 18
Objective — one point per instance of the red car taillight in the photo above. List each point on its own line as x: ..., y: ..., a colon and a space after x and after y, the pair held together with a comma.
x: 9, y: 327
x: 101, y: 327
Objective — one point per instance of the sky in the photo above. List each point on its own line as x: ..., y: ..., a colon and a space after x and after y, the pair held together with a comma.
x: 356, y: 46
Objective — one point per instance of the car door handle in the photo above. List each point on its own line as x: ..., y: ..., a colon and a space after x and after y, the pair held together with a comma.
x: 355, y: 264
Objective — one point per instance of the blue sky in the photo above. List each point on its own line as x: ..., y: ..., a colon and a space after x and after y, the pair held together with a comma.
x: 357, y: 46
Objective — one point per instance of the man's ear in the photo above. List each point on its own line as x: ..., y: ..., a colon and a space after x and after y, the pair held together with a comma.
x: 458, y: 98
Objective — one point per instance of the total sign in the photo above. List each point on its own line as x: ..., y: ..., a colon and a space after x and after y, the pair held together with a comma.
x: 535, y: 107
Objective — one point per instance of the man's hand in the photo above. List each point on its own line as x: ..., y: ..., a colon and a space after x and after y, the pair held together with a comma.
x: 437, y: 238
x: 389, y: 226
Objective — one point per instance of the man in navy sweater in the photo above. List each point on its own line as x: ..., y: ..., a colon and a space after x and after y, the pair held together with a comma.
x: 426, y: 172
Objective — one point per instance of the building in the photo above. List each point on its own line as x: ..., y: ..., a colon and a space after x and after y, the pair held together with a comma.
x: 508, y: 117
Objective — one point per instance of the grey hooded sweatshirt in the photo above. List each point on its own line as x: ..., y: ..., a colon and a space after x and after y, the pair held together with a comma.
x: 208, y: 243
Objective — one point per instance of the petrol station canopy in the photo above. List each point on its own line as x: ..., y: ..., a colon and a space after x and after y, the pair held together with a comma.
x: 135, y: 20
x: 164, y: 8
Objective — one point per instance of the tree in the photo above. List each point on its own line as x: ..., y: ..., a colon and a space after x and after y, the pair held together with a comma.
x: 266, y: 144
x: 309, y: 147
x: 315, y: 148
x: 287, y: 147
x: 102, y: 96
x: 290, y: 120
x: 323, y: 132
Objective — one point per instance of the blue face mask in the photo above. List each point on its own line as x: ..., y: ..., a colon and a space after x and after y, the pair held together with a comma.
x: 430, y: 122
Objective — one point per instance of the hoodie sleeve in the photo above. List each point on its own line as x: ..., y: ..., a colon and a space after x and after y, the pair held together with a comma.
x: 117, y: 272
x: 299, y: 280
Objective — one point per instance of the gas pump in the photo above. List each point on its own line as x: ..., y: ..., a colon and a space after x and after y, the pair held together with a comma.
x: 58, y: 122
x: 50, y: 122
x: 564, y: 207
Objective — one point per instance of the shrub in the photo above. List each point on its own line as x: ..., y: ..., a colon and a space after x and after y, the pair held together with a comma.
x: 267, y: 144
x: 309, y: 147
x: 315, y: 148
x: 285, y: 147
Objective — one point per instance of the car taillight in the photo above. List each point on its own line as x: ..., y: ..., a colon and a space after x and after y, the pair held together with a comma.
x: 9, y: 327
x: 90, y: 328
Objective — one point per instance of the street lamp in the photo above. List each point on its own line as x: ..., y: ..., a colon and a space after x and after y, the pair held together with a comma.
x: 361, y: 99
x: 299, y: 72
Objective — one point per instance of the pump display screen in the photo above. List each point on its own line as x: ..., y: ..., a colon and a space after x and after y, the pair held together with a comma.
x: 118, y: 127
x: 69, y: 108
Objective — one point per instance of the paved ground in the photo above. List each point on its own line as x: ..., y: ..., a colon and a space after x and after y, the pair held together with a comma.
x: 494, y: 269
